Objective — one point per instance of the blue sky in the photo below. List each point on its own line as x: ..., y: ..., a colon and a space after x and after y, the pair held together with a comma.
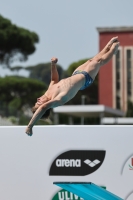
x: 67, y: 29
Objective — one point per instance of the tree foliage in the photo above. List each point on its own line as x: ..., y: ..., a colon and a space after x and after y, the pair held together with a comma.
x: 15, y: 42
x: 19, y: 91
x: 43, y: 72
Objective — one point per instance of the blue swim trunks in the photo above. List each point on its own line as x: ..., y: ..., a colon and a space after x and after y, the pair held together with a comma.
x: 88, y: 79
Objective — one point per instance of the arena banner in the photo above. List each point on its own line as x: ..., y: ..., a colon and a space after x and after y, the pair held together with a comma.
x: 102, y: 155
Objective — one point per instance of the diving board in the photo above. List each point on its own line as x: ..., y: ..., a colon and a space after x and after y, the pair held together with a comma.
x: 87, y: 190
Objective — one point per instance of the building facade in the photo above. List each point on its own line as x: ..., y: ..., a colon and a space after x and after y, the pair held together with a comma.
x: 116, y: 77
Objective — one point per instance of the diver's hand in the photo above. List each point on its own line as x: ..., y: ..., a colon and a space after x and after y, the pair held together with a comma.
x: 54, y: 60
x: 29, y: 131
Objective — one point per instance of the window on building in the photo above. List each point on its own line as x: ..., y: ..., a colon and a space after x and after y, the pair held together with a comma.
x: 118, y: 78
x: 118, y: 60
x: 117, y: 64
x: 129, y: 72
x: 118, y: 104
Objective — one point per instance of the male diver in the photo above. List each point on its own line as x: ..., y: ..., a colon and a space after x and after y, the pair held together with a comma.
x: 60, y: 92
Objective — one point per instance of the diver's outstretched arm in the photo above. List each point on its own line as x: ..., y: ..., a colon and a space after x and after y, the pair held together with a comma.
x: 39, y: 113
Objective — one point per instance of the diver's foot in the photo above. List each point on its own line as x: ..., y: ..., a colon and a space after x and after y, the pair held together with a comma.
x: 115, y: 47
x: 109, y: 44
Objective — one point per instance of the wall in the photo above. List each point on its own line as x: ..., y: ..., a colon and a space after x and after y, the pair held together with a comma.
x: 25, y: 162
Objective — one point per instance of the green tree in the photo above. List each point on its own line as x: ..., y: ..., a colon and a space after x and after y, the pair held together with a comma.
x: 42, y: 72
x: 16, y: 69
x: 17, y: 92
x: 15, y: 42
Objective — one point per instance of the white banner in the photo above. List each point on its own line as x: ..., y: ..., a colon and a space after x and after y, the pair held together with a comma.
x: 102, y: 155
